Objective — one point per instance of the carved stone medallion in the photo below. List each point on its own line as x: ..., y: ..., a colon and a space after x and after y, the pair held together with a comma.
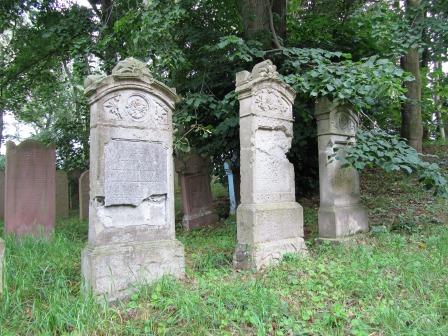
x: 137, y: 107
x: 345, y: 122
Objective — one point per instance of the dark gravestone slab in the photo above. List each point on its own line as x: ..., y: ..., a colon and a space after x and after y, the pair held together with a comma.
x: 84, y: 191
x: 62, y: 202
x: 73, y: 188
x: 197, y: 199
x: 29, y: 188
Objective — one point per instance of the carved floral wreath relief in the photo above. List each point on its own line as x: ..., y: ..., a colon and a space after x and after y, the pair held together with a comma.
x: 135, y: 107
x: 268, y: 101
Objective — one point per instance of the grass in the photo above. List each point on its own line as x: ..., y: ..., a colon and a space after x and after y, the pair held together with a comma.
x: 391, y: 283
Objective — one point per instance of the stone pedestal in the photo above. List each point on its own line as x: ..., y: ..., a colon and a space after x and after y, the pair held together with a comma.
x: 84, y: 189
x: 30, y: 188
x: 2, y: 262
x: 340, y: 213
x: 270, y: 222
x: 197, y: 199
x: 131, y: 216
x: 62, y: 201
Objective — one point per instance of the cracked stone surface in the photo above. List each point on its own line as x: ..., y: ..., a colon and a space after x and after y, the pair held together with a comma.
x: 269, y: 221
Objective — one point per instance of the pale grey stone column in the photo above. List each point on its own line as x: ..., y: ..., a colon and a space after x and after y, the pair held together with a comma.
x: 270, y: 222
x: 340, y: 213
x: 131, y: 215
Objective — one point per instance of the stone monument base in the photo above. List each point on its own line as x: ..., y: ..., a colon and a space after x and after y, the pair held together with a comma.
x: 266, y: 232
x: 2, y: 261
x: 199, y: 220
x: 342, y: 221
x: 116, y: 270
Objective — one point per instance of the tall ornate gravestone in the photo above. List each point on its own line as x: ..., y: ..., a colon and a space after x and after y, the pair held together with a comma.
x: 2, y: 194
x: 84, y: 189
x: 29, y: 188
x: 340, y: 213
x: 131, y: 217
x: 62, y: 201
x: 197, y: 199
x: 269, y: 221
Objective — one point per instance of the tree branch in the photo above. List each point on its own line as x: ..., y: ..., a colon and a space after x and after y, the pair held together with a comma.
x: 271, y: 26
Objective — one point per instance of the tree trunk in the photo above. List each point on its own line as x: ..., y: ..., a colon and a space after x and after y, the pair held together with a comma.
x: 411, y: 114
x: 264, y: 21
x: 279, y: 8
x: 438, y: 107
x: 2, y: 114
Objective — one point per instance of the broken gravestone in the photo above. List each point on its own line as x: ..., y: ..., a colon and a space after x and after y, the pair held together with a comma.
x: 269, y: 221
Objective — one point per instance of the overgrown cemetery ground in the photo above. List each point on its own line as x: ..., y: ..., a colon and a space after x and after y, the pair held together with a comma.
x: 389, y: 282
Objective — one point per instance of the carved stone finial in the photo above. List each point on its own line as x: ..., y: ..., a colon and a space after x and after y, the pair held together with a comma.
x: 131, y: 67
x: 93, y: 80
x: 260, y: 71
x: 242, y: 77
x: 264, y: 69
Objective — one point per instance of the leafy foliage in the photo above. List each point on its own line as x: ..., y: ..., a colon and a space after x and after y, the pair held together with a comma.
x: 344, y: 50
x: 377, y: 148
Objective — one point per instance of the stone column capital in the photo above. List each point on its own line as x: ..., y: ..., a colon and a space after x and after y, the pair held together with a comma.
x: 335, y: 119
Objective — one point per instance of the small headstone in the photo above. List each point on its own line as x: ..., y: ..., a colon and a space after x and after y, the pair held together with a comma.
x: 29, y: 188
x: 84, y: 189
x: 269, y: 221
x: 2, y: 194
x: 62, y: 206
x: 131, y: 220
x: 197, y: 199
x: 341, y: 213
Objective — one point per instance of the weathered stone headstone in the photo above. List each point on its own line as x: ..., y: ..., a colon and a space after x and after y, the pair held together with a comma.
x: 2, y: 194
x: 269, y: 221
x: 131, y: 220
x: 340, y: 213
x: 62, y: 206
x: 29, y: 188
x: 197, y: 199
x: 84, y: 198
x: 2, y: 262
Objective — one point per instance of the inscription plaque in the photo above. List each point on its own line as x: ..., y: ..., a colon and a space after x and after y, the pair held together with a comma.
x: 134, y: 171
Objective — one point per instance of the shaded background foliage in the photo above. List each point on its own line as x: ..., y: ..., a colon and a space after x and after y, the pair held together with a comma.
x: 347, y: 50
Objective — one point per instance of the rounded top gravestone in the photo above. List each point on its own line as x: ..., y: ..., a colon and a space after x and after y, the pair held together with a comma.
x: 30, y: 188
